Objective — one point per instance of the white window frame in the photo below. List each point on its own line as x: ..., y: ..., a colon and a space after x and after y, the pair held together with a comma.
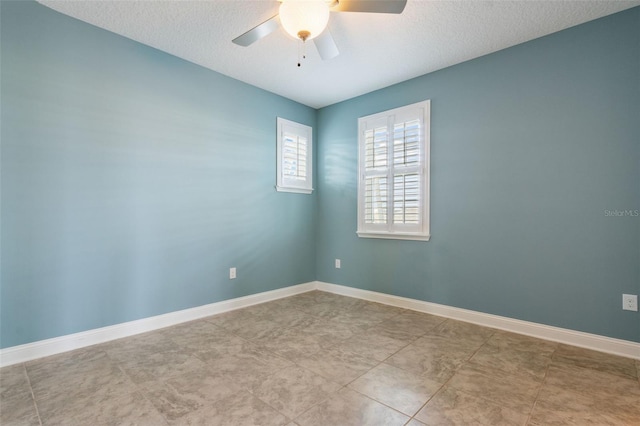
x: 302, y: 184
x: 386, y: 120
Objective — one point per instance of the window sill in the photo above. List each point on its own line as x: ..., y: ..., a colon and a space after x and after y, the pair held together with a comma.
x: 295, y: 190
x: 394, y: 236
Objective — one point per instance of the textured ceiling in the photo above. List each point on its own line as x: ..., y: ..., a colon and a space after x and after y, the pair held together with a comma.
x: 376, y: 50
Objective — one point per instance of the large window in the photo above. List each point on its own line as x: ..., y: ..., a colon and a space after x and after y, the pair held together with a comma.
x: 294, y: 162
x: 393, y: 164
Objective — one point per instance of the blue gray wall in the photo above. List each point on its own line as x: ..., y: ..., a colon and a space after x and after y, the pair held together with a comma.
x: 119, y: 199
x: 132, y: 181
x: 529, y: 147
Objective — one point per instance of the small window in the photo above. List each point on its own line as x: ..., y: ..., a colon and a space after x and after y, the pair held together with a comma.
x: 393, y: 184
x: 294, y: 157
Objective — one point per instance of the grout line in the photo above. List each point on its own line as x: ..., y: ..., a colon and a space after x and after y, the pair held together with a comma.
x: 381, y: 403
x: 139, y: 389
x: 250, y: 391
x: 329, y: 396
x: 453, y: 375
x: 542, y: 384
x: 435, y: 393
x: 33, y: 396
x: 346, y: 386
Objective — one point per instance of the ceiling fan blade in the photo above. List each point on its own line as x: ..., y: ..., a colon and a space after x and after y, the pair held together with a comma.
x: 256, y: 33
x: 326, y: 45
x: 372, y: 6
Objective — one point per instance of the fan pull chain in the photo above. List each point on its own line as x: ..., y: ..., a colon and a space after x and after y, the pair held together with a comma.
x: 304, y: 53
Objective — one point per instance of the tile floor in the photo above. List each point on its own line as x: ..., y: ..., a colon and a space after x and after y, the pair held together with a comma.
x: 322, y: 359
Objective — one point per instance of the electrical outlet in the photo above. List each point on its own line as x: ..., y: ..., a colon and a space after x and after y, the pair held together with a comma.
x: 630, y: 302
x: 337, y: 263
x: 232, y: 273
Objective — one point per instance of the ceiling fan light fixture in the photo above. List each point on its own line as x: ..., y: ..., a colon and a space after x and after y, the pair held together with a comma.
x: 304, y: 19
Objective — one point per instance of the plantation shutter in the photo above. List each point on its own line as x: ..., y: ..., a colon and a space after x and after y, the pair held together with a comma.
x: 294, y: 157
x: 376, y: 159
x: 406, y: 175
x: 393, y: 190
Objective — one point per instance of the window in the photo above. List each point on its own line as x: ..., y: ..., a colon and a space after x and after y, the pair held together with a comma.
x: 294, y: 164
x: 393, y: 184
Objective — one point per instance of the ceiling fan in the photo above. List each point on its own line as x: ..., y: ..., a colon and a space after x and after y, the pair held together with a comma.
x: 308, y: 19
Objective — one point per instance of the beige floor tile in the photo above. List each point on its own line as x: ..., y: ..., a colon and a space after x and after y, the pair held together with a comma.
x: 284, y: 304
x: 161, y: 365
x: 228, y: 319
x: 18, y: 412
x: 345, y: 301
x: 437, y: 358
x: 340, y: 366
x: 249, y: 327
x: 204, y: 385
x: 579, y: 357
x: 305, y: 300
x: 409, y: 325
x: 376, y: 312
x: 184, y: 394
x: 347, y: 408
x: 414, y: 422
x: 292, y: 344
x: 329, y: 332
x: 355, y: 321
x: 373, y: 343
x: 169, y: 402
x: 611, y: 388
x: 277, y: 333
x: 229, y: 345
x: 516, y: 362
x: 283, y: 312
x: 239, y: 409
x: 14, y: 381
x: 245, y: 373
x: 202, y: 327
x: 244, y: 362
x: 294, y: 390
x: 392, y: 333
x: 396, y: 388
x: 556, y: 406
x: 454, y: 407
x: 16, y: 403
x: 326, y: 310
x: 67, y: 364
x: 506, y: 340
x: 73, y: 391
x: 126, y: 409
x: 289, y: 318
x: 350, y: 303
x: 196, y: 336
x: 138, y: 347
x: 517, y: 393
x: 83, y: 375
x: 462, y: 331
x: 268, y: 308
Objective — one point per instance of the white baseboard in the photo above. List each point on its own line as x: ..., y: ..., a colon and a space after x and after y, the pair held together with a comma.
x: 610, y: 345
x: 42, y: 348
